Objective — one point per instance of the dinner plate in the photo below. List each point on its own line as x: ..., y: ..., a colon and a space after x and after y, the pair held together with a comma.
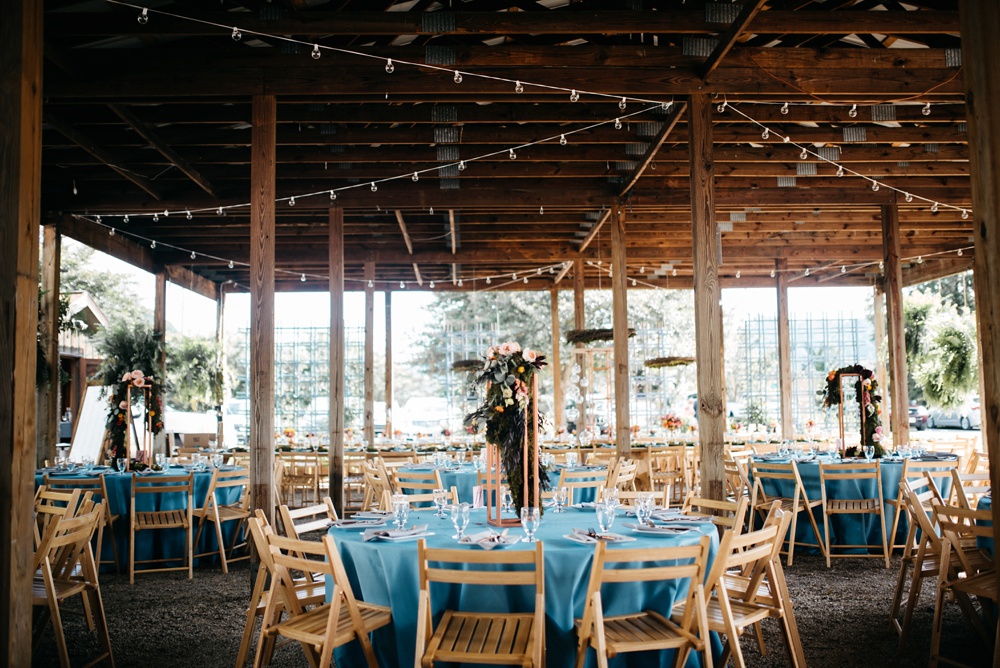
x: 585, y: 539
x: 658, y: 530
x: 399, y: 539
x: 497, y: 542
x: 585, y: 505
x: 359, y: 524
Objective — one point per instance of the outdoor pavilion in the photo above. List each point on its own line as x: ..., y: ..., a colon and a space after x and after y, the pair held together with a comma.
x: 440, y: 132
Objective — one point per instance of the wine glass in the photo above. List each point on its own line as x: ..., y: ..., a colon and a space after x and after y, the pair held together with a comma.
x: 610, y: 496
x: 559, y: 496
x: 400, y: 510
x: 217, y: 461
x: 572, y: 459
x: 869, y: 451
x: 507, y: 499
x: 530, y: 519
x: 440, y: 500
x: 605, y: 515
x: 460, y: 518
x: 120, y: 464
x: 643, y: 509
x: 162, y: 461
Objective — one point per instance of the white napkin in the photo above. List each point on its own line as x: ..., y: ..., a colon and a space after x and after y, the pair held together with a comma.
x: 488, y: 539
x: 390, y: 534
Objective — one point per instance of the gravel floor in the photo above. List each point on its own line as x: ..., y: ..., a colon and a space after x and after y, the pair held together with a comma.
x: 842, y: 614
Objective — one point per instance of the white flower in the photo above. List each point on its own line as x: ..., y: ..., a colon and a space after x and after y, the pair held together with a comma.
x: 491, y: 352
x: 137, y: 374
x: 876, y: 438
x: 123, y: 405
x: 530, y: 355
x: 127, y: 377
x: 509, y: 348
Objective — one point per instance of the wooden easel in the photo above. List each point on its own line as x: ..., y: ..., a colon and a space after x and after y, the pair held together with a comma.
x: 494, y: 476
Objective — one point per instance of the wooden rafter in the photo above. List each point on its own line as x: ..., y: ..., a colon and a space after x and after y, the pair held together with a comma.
x: 406, y: 235
x: 728, y: 38
x: 668, y: 126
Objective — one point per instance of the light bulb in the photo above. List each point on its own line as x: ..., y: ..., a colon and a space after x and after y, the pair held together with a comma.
x: 574, y: 96
x: 374, y: 187
x: 236, y: 34
x: 193, y: 255
x: 402, y: 285
x: 959, y: 252
x: 665, y: 106
x: 807, y: 271
x: 787, y: 139
x: 302, y: 278
x: 125, y: 219
x: 152, y: 244
x: 634, y: 283
x: 461, y: 165
x: 525, y: 279
x: 98, y: 220
x: 965, y: 215
x: 143, y: 16
x: 618, y: 124
x: 189, y: 216
x: 853, y: 113
x: 231, y: 264
x: 722, y: 107
x: 772, y: 273
x: 934, y: 207
x: 518, y: 88
x: 738, y: 274
x: 333, y: 195
x: 926, y: 111
x: 488, y: 280
x: 432, y: 285
x: 389, y: 67
x: 291, y: 201
x: 840, y: 170
x: 843, y: 269
x: 622, y: 104
x: 513, y: 277
x: 784, y: 109
x: 458, y: 77
x: 460, y: 282
x: 111, y: 232
x: 512, y: 155
x: 538, y: 272
x: 920, y: 259
x: 881, y: 265
x: 908, y: 197
x: 220, y: 212
x: 562, y: 140
x: 315, y: 52
x: 642, y: 270
x: 371, y: 284
x: 75, y: 191
x: 552, y: 270
x: 166, y: 213
x: 430, y: 211
x: 765, y: 134
x: 156, y: 217
x: 541, y: 211
x: 804, y: 155
x: 875, y: 186
x: 415, y: 177
x: 673, y: 273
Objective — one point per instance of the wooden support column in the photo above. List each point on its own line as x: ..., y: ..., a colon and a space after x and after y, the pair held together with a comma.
x: 707, y: 301
x: 880, y: 364
x: 160, y: 326
x: 20, y: 210
x: 897, y: 336
x: 784, y: 349
x: 220, y: 363
x: 619, y: 295
x: 262, y: 236
x: 337, y: 358
x: 580, y: 322
x: 48, y: 393
x: 559, y: 403
x: 369, y: 424
x: 980, y: 52
x: 387, y: 430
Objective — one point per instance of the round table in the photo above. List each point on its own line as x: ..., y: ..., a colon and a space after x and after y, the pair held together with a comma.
x: 385, y: 573
x: 463, y: 477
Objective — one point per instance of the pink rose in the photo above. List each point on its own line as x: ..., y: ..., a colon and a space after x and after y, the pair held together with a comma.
x: 139, y: 382
x: 876, y: 438
x: 530, y: 355
x: 491, y: 352
x: 127, y: 377
x: 878, y: 430
x: 509, y: 348
x: 123, y: 405
x: 137, y: 374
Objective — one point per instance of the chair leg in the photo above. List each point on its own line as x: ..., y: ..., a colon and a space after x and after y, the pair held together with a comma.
x: 885, y: 544
x: 114, y: 547
x: 916, y: 584
x: 938, y: 618
x: 897, y: 597
x: 57, y: 627
x: 222, y: 546
x: 791, y: 538
x: 826, y: 535
x: 102, y: 624
x: 131, y: 555
x: 819, y: 541
x: 896, y: 511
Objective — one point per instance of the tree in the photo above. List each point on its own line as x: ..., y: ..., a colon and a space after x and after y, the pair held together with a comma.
x: 941, y: 348
x: 194, y: 376
x: 114, y: 293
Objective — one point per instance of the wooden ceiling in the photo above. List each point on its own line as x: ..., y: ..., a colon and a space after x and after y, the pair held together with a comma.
x: 155, y: 116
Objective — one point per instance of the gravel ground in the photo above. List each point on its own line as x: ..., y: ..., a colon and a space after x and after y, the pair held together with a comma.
x: 842, y: 614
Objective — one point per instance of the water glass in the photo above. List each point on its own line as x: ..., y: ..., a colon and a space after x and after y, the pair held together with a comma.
x: 559, y: 497
x: 400, y: 510
x: 643, y: 509
x: 869, y: 451
x: 610, y: 496
x: 217, y: 461
x: 440, y: 501
x: 162, y: 461
x: 506, y: 499
x: 460, y: 518
x: 120, y: 464
x: 605, y: 516
x: 572, y: 459
x: 530, y: 518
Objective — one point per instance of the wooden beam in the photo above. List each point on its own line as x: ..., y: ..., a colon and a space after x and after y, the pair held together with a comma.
x: 160, y: 325
x: 21, y: 42
x: 453, y: 232
x: 48, y: 328
x: 220, y: 363
x: 102, y: 154
x: 580, y: 322
x: 562, y: 272
x: 594, y: 231
x: 707, y: 301
x: 406, y: 234
x: 387, y: 430
x: 880, y: 351
x: 784, y: 350
x: 730, y: 36
x: 619, y: 295
x: 558, y: 401
x: 262, y: 194
x: 668, y: 126
x: 164, y: 149
x: 933, y: 268
x: 416, y: 274
x: 897, y: 336
x: 337, y: 350
x: 369, y: 380
x: 187, y: 278
x: 980, y: 26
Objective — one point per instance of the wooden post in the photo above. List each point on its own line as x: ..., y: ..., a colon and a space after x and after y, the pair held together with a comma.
x: 619, y: 295
x: 880, y: 365
x: 558, y: 402
x: 784, y: 349
x: 160, y: 329
x: 579, y: 322
x: 897, y: 337
x: 220, y: 363
x: 20, y: 210
x: 980, y: 51
x: 337, y: 358
x: 262, y: 237
x: 369, y: 425
x: 48, y: 394
x: 707, y: 300
x: 387, y: 430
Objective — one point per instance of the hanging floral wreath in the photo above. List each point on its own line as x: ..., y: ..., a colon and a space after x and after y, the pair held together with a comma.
x: 119, y: 410
x: 869, y: 401
x: 507, y: 376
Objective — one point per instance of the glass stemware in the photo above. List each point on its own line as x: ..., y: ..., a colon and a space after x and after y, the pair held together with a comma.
x: 530, y: 518
x: 611, y: 496
x: 460, y: 518
x: 643, y: 509
x: 400, y: 510
x: 120, y: 464
x: 440, y: 500
x: 507, y: 499
x: 605, y: 515
x: 869, y: 451
x: 559, y: 497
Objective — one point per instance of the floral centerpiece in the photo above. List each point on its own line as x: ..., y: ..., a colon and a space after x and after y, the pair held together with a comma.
x: 120, y: 409
x: 671, y: 422
x: 869, y: 403
x: 507, y: 374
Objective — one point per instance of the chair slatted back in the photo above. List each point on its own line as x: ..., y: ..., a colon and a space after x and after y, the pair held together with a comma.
x: 51, y: 504
x: 580, y: 480
x: 463, y: 562
x: 961, y: 527
x: 318, y: 518
x: 624, y: 474
x: 225, y: 480
x: 750, y: 552
x: 968, y: 488
x: 779, y: 472
x: 729, y: 514
x: 66, y: 543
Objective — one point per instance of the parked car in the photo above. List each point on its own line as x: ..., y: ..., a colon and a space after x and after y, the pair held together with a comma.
x: 965, y: 416
x: 918, y: 417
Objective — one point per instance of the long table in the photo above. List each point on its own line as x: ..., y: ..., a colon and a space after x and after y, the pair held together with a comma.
x: 386, y: 573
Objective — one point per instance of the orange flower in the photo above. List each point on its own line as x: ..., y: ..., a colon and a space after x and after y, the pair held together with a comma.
x: 831, y: 375
x: 499, y: 409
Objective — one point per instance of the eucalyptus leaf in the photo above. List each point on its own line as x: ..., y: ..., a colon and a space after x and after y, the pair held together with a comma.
x: 510, y: 380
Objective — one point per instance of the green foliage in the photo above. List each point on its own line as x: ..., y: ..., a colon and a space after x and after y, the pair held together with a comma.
x: 948, y: 366
x: 194, y: 376
x: 756, y: 413
x: 114, y: 292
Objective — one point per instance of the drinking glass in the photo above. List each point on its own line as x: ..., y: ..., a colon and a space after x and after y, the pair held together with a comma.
x: 572, y: 459
x: 507, y: 499
x: 161, y: 460
x: 400, y: 510
x: 605, y: 516
x: 559, y: 496
x: 460, y: 518
x: 610, y: 497
x: 869, y: 451
x: 440, y: 501
x: 530, y: 519
x: 643, y: 510
x: 217, y: 461
x: 120, y: 464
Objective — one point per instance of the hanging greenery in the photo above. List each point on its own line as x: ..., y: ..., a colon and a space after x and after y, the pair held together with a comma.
x: 949, y: 368
x: 574, y: 336
x: 663, y: 362
x: 466, y: 366
x: 866, y: 390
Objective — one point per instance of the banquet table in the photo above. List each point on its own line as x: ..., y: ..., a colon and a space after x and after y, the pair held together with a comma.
x: 985, y: 503
x: 386, y: 573
x: 153, y: 544
x: 583, y: 494
x: 463, y: 477
x: 848, y: 529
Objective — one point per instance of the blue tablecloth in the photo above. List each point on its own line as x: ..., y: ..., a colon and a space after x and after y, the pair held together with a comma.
x: 463, y: 477
x: 985, y: 503
x: 583, y: 494
x: 386, y: 574
x: 162, y: 543
x: 848, y: 529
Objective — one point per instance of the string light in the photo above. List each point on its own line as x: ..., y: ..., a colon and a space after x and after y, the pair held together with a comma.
x: 934, y: 207
x: 166, y: 213
x: 722, y: 107
x: 231, y: 264
x: 512, y: 155
x: 371, y: 284
x: 513, y: 277
x: 518, y: 88
x: 634, y: 283
x: 881, y: 265
x: 926, y: 111
x: 374, y: 187
x: 461, y: 165
x: 415, y: 177
x: 843, y: 269
x: 432, y: 285
x: 574, y: 96
x: 784, y: 109
x: 156, y: 217
x: 402, y: 285
x: 302, y: 278
x: 333, y: 195
x: 430, y: 211
x: 908, y: 197
x: 840, y: 170
x: 807, y: 271
x: 460, y: 282
x: 152, y: 244
x: 920, y: 259
x: 853, y: 113
x: 786, y: 139
x: 562, y: 140
x: 488, y: 280
x: 291, y: 201
x: 143, y: 16
x: 618, y: 124
x: 965, y: 215
x: 315, y: 52
x: 193, y: 255
x: 75, y: 191
x: 525, y: 279
x: 111, y: 232
x: 804, y: 155
x: 98, y: 220
x: 874, y: 185
x: 458, y: 77
x: 125, y: 219
x: 738, y: 274
x: 772, y: 273
x: 389, y: 67
x: 188, y: 213
x: 959, y: 252
x: 236, y: 34
x: 622, y: 104
x: 541, y: 212
x: 765, y: 134
x: 220, y: 212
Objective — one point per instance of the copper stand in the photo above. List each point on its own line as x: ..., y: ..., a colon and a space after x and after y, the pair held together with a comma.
x: 494, y: 476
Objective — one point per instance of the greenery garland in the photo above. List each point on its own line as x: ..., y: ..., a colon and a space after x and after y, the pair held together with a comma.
x: 869, y: 400
x: 591, y: 335
x: 466, y: 366
x: 661, y: 362
x: 507, y: 375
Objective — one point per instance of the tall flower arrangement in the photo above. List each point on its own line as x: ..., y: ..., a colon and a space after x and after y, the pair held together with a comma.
x: 507, y: 373
x: 119, y: 410
x: 869, y: 401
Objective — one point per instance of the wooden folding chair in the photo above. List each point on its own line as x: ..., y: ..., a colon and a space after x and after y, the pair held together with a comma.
x: 628, y: 498
x: 761, y: 502
x: 419, y: 486
x: 159, y: 520
x: 577, y: 481
x: 737, y: 481
x: 64, y: 567
x: 623, y: 475
x: 724, y: 514
x: 968, y: 488
x: 279, y: 482
x: 323, y: 628
x: 99, y: 488
x: 643, y: 630
x: 216, y: 512
x: 939, y: 471
x: 853, y: 475
x: 504, y: 638
x: 668, y: 470
x: 302, y: 476
x: 318, y: 518
x: 51, y: 504
x: 377, y: 482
